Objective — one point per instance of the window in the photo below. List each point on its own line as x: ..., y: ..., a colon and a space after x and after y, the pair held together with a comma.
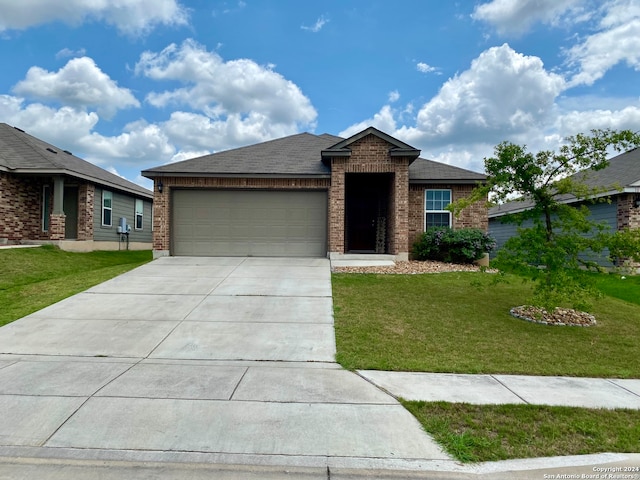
x: 436, y: 202
x: 139, y: 213
x: 107, y: 205
x: 46, y: 206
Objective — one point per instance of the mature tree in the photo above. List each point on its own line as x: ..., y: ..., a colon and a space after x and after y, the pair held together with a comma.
x: 555, y: 233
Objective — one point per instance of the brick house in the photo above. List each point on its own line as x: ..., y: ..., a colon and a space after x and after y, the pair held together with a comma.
x: 619, y: 183
x: 48, y: 195
x: 307, y: 195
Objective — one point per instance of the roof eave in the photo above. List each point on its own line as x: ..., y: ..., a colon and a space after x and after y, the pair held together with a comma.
x: 326, y: 155
x: 152, y: 174
x: 608, y: 193
x: 45, y: 171
x: 442, y: 181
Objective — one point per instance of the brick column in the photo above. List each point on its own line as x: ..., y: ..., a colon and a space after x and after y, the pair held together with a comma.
x: 56, y: 226
x: 628, y: 216
x: 400, y: 234
x: 57, y: 219
x: 336, y: 206
x: 86, y: 195
x: 161, y: 216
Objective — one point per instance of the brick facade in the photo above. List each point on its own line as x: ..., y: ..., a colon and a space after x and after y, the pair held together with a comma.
x: 475, y: 216
x: 20, y: 208
x: 21, y: 204
x: 370, y: 154
x: 628, y: 216
x: 56, y: 226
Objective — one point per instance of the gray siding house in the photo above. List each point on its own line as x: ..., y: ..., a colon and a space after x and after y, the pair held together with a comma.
x: 620, y: 184
x: 48, y: 195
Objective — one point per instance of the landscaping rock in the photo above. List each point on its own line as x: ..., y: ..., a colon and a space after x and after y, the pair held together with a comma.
x: 412, y: 267
x: 559, y: 317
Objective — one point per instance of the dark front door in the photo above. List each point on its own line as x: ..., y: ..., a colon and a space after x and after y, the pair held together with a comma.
x: 70, y: 207
x: 367, y: 196
x: 361, y: 218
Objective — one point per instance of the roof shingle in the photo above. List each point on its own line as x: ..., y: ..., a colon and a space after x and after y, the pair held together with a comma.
x: 623, y: 172
x: 23, y: 153
x: 297, y: 155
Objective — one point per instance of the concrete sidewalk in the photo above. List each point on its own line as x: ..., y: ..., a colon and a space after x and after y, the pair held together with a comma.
x: 225, y: 368
x: 228, y: 358
x: 514, y: 389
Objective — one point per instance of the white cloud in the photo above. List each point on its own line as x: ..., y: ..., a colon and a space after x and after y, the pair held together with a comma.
x: 139, y: 142
x: 383, y: 120
x: 188, y: 154
x: 235, y: 103
x: 316, y: 27
x: 240, y: 91
x: 80, y: 84
x: 74, y: 130
x: 425, y: 67
x: 394, y: 96
x: 575, y: 121
x: 502, y: 93
x: 131, y: 17
x: 617, y: 41
x: 58, y: 126
x: 68, y: 53
x: 511, y: 17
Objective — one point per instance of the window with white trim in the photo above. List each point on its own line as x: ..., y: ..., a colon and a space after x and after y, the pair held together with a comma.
x: 139, y: 214
x: 107, y: 208
x: 435, y: 204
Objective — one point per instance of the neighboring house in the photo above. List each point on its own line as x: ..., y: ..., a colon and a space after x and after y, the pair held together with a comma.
x: 48, y: 195
x: 619, y: 182
x: 307, y: 195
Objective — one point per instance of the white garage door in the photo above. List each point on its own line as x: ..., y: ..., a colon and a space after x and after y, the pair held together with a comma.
x: 249, y: 222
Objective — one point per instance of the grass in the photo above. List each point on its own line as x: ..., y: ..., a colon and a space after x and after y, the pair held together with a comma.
x: 619, y: 286
x: 439, y: 323
x: 33, y: 278
x: 480, y: 433
x: 460, y: 323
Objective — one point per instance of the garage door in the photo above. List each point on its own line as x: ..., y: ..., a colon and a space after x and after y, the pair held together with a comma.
x: 259, y: 223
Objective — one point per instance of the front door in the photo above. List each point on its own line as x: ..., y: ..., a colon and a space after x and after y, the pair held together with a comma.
x: 362, y: 213
x: 367, y: 197
x: 70, y: 207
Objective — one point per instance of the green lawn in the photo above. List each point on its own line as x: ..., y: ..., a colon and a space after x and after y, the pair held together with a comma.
x: 33, y: 278
x: 460, y: 323
x: 481, y: 433
x: 624, y: 287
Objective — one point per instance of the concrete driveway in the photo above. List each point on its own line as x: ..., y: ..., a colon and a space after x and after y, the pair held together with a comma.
x: 205, y: 360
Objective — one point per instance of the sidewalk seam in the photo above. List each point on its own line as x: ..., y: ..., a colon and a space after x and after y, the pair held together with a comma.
x: 505, y: 386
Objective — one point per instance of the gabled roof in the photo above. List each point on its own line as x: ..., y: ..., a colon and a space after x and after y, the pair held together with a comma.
x: 398, y: 149
x: 300, y: 155
x: 21, y: 153
x: 289, y: 156
x: 622, y: 175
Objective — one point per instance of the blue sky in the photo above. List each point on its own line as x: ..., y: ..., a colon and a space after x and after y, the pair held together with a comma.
x: 133, y: 84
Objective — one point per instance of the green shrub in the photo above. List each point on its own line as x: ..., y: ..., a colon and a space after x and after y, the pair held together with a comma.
x: 453, y: 246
